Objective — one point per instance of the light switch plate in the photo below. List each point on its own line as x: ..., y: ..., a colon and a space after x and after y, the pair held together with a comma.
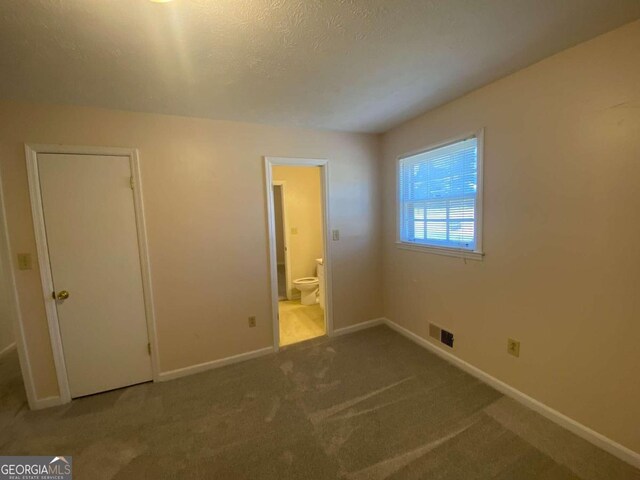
x: 335, y: 234
x: 513, y: 347
x: 24, y: 261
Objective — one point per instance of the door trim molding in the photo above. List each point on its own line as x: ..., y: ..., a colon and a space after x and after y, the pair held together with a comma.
x: 269, y: 163
x: 31, y: 153
x: 285, y: 237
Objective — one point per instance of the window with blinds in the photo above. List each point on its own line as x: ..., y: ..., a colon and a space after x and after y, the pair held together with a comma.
x: 438, y: 197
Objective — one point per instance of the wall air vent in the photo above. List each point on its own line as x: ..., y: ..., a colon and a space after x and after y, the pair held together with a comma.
x: 440, y: 334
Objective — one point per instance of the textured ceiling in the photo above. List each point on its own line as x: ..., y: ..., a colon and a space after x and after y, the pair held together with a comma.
x: 356, y: 65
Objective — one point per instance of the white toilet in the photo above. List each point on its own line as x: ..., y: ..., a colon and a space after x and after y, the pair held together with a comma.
x: 311, y: 292
x: 308, y: 287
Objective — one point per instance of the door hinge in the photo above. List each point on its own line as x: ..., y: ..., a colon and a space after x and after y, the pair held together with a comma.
x: 149, y: 348
x: 131, y: 183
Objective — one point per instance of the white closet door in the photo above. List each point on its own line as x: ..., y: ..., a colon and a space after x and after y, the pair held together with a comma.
x: 93, y: 249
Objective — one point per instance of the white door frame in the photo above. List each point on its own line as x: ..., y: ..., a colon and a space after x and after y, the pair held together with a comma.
x: 32, y: 152
x: 269, y: 163
x: 285, y: 238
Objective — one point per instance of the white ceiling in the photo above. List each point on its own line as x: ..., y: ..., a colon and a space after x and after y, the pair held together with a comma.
x: 355, y: 65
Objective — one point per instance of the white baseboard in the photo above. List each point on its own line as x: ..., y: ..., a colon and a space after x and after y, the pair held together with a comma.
x: 597, y: 439
x: 40, y: 403
x: 358, y: 326
x: 7, y: 349
x: 202, y: 367
x: 172, y: 374
x: 221, y: 362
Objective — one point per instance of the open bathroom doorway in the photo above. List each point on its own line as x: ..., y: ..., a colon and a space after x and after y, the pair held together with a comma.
x: 297, y: 205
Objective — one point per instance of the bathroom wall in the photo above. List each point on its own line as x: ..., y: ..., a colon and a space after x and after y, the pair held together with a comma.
x: 205, y: 204
x: 303, y: 207
x: 278, y: 210
x: 561, y: 228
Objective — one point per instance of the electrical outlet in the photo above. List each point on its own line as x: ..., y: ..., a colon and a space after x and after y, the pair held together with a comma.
x: 24, y: 261
x: 294, y: 230
x: 513, y: 347
x: 252, y: 321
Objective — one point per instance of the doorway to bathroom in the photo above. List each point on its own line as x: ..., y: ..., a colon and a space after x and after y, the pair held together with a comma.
x: 299, y: 256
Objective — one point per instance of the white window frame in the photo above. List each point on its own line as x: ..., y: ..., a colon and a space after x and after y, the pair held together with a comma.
x: 477, y: 253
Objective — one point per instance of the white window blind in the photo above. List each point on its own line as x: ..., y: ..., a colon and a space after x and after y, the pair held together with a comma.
x: 438, y: 196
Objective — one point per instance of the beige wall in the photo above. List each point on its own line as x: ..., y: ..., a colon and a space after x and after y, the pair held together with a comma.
x: 561, y: 229
x: 6, y: 323
x: 204, y: 192
x: 303, y: 206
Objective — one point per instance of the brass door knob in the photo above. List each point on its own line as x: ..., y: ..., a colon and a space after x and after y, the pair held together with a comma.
x: 63, y: 295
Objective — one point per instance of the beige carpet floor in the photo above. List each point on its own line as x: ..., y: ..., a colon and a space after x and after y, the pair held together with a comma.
x: 299, y: 322
x: 369, y: 405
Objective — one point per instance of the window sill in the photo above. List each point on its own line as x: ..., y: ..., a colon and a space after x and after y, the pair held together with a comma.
x: 449, y: 252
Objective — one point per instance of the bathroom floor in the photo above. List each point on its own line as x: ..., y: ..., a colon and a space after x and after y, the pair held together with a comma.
x: 299, y: 322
